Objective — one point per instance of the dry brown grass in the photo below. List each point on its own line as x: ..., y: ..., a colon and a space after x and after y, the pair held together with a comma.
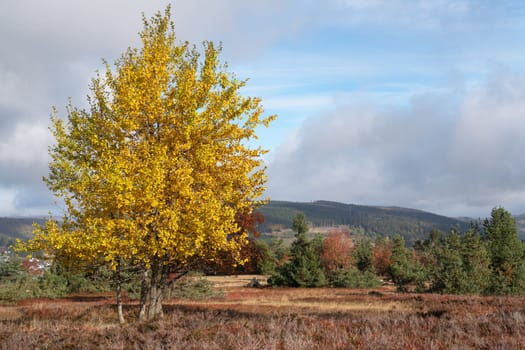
x: 233, y: 281
x: 299, y: 300
x: 248, y: 318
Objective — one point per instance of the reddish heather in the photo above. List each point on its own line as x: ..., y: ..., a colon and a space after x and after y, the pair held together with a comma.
x: 246, y: 318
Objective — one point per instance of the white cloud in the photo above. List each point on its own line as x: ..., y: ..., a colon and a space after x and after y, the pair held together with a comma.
x: 23, y: 163
x: 7, y: 196
x: 24, y: 146
x: 302, y: 58
x: 442, y: 153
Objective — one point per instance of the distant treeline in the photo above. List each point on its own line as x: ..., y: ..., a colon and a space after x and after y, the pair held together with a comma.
x: 411, y: 224
x: 13, y: 228
x: 485, y: 259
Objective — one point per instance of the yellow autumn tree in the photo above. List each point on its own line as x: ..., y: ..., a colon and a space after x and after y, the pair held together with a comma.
x: 154, y: 172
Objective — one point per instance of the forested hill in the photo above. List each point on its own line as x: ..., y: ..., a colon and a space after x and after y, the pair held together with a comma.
x: 13, y: 228
x: 371, y: 220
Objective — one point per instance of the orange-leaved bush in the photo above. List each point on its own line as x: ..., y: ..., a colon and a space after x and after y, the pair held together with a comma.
x: 337, y: 250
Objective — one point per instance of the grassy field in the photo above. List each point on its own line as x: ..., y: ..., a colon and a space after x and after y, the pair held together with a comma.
x: 266, y: 318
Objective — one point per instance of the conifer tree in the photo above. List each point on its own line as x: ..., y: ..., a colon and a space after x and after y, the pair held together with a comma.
x: 404, y: 269
x: 449, y: 275
x: 476, y: 262
x: 363, y: 255
x: 304, y: 268
x: 506, y: 253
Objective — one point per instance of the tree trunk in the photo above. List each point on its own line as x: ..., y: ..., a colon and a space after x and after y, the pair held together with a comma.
x: 118, y: 282
x: 144, y: 288
x: 153, y: 286
x: 155, y: 303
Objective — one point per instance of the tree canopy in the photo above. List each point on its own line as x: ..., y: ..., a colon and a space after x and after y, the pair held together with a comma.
x: 156, y: 170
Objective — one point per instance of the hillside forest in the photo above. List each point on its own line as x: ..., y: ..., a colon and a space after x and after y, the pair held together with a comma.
x: 486, y: 259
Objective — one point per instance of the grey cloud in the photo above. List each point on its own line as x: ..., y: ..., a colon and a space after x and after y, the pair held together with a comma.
x: 51, y: 49
x: 23, y: 156
x: 35, y: 200
x: 453, y: 154
x: 8, y: 119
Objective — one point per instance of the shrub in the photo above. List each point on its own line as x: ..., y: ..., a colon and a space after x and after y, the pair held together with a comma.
x: 337, y: 250
x: 381, y: 255
x: 52, y: 286
x: 26, y: 286
x: 354, y: 278
x: 194, y: 288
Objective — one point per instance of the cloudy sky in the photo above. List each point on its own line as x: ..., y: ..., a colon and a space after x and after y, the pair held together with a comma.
x: 384, y: 102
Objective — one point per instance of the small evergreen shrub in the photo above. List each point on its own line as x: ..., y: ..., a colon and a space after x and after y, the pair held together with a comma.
x: 194, y: 288
x: 27, y: 286
x: 354, y: 278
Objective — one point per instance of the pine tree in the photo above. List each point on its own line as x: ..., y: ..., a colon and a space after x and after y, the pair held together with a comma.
x: 476, y: 262
x: 506, y: 253
x: 363, y: 255
x: 449, y: 275
x: 404, y: 269
x: 304, y: 268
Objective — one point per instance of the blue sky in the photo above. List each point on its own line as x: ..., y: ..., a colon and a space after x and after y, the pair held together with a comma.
x: 383, y: 102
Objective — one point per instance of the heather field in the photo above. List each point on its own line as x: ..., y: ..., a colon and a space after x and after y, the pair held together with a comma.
x: 266, y: 318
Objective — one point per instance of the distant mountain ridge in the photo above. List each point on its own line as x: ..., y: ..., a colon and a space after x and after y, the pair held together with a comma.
x: 412, y: 224
x: 16, y: 228
x: 373, y: 221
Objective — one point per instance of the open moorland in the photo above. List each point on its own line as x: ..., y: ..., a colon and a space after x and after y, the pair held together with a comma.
x: 266, y: 318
